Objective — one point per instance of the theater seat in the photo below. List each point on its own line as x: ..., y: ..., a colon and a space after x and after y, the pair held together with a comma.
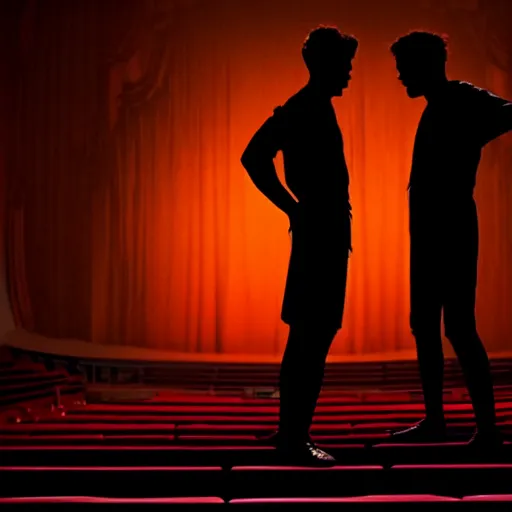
x: 453, y: 479
x: 392, y: 498
x: 118, y: 481
x: 217, y: 439
x: 51, y: 440
x: 489, y: 497
x: 301, y: 481
x: 128, y: 501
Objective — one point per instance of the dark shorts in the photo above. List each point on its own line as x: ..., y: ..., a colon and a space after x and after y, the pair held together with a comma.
x: 443, y: 272
x: 317, y: 273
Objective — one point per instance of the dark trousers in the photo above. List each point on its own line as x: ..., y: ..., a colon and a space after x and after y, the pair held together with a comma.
x: 443, y: 265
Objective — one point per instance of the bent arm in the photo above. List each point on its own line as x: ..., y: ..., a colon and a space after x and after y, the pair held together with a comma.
x: 258, y: 161
x: 504, y: 119
x: 494, y: 115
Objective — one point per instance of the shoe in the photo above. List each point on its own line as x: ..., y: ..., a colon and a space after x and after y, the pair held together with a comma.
x: 304, y: 454
x: 423, y: 432
x: 298, y: 453
x: 270, y: 439
x: 486, y: 440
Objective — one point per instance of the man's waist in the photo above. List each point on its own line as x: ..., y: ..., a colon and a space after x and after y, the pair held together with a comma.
x: 325, y: 197
x: 463, y: 192
x: 326, y: 205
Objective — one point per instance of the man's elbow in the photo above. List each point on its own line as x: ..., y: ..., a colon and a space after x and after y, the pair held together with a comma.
x: 246, y: 159
x: 508, y: 110
x: 251, y: 159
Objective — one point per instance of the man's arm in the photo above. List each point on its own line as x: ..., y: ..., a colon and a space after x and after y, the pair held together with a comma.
x: 258, y: 161
x: 504, y: 119
x: 494, y: 115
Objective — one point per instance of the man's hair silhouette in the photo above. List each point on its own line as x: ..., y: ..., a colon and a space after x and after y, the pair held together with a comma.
x: 422, y: 47
x: 421, y: 61
x: 324, y: 45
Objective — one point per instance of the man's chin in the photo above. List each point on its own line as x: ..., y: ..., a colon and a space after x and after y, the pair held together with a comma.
x: 413, y: 93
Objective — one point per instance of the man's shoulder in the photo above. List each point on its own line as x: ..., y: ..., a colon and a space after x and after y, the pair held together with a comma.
x: 466, y: 91
x: 462, y: 85
x: 461, y: 90
x: 293, y: 106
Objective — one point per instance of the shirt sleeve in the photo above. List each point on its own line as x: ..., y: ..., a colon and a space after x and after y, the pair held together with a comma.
x: 491, y: 115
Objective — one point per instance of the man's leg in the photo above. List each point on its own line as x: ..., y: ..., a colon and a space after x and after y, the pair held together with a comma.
x: 425, y: 320
x: 313, y: 307
x: 475, y: 366
x: 460, y: 329
x: 429, y: 350
x: 320, y: 319
x: 301, y: 378
x: 431, y: 369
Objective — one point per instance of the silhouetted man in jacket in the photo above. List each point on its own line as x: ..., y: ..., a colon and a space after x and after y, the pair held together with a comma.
x: 458, y: 121
x: 306, y: 130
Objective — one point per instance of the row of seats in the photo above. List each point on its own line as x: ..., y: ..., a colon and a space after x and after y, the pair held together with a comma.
x: 455, y: 480
x: 23, y: 379
x: 230, y: 377
x: 410, y: 499
x: 185, y: 449
x: 336, y: 430
x: 326, y: 405
x: 124, y: 454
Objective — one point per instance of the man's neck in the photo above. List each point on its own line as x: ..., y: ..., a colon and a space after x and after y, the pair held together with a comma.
x: 436, y: 89
x: 318, y: 90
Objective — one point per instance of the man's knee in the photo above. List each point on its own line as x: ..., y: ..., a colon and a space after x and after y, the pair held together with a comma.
x: 460, y: 319
x: 311, y: 341
x: 461, y: 331
x: 425, y: 322
x: 465, y: 340
x: 425, y: 332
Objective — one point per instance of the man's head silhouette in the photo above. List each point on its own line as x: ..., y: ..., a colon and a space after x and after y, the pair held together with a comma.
x: 420, y: 61
x: 328, y: 56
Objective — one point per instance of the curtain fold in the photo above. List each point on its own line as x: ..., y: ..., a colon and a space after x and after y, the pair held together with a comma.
x: 58, y: 121
x: 133, y: 214
x: 13, y: 280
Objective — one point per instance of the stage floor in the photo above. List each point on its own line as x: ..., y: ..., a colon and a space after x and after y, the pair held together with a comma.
x: 22, y: 339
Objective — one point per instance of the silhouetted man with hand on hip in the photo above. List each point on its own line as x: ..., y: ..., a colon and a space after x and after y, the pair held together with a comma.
x: 306, y: 130
x: 458, y: 121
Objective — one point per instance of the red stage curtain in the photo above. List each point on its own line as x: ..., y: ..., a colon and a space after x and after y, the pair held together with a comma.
x: 8, y: 72
x: 140, y: 226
